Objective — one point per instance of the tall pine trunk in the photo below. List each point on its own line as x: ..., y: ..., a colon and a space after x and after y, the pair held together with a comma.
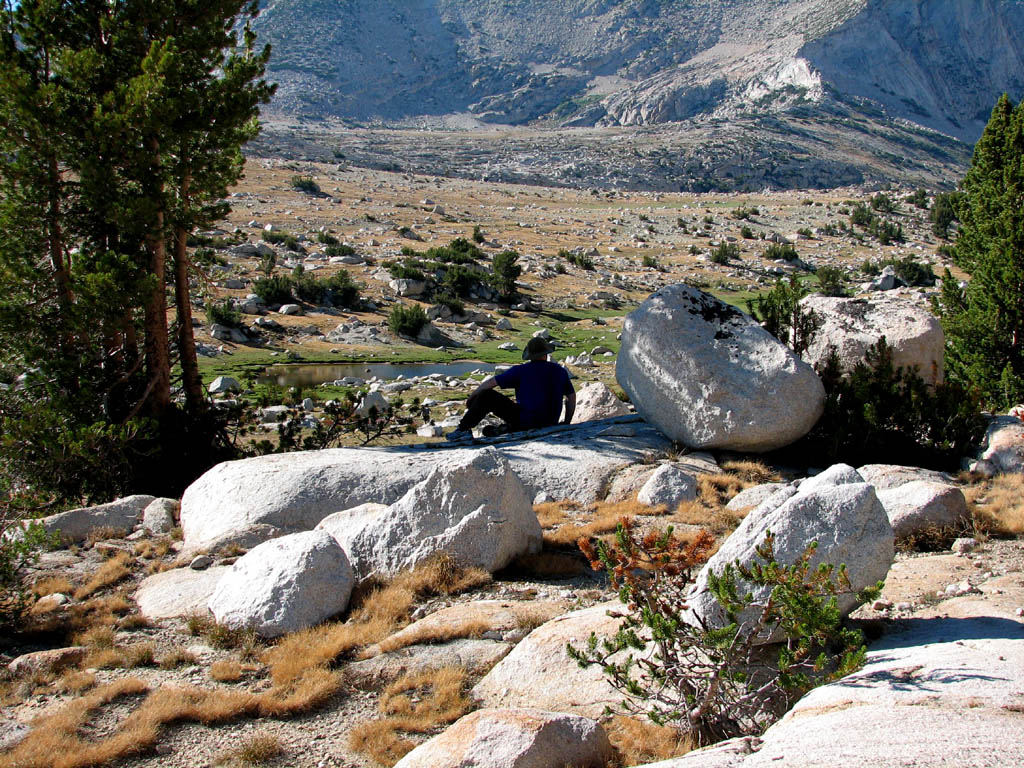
x: 158, y: 360
x: 195, y: 398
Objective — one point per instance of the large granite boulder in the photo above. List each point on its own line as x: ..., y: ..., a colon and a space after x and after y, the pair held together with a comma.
x: 708, y: 376
x: 853, y: 325
x: 284, y: 585
x: 472, y: 507
x: 178, y: 592
x: 515, y: 738
x: 256, y: 499
x: 75, y: 525
x: 886, y: 476
x: 669, y: 485
x: 847, y: 521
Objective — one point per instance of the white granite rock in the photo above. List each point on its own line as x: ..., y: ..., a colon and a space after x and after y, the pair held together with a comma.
x: 472, y: 507
x: 158, y: 516
x: 515, y: 738
x: 710, y: 377
x: 921, y: 504
x: 1003, y: 447
x: 886, y: 476
x: 837, y: 474
x: 224, y: 384
x: 178, y: 592
x: 76, y: 524
x: 285, y: 585
x: 751, y: 497
x: 847, y: 521
x: 595, y: 401
x: 668, y: 485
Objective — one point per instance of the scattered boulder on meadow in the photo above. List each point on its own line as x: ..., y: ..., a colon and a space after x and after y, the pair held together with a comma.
x: 224, y: 384
x: 539, y: 673
x: 708, y: 376
x: 472, y: 507
x: 886, y: 476
x: 847, y: 521
x: 158, y: 516
x: 668, y: 485
x: 284, y: 585
x: 852, y: 325
x: 1002, y: 449
x: 252, y: 500
x: 177, y: 592
x: 75, y: 525
x: 919, y: 505
x: 523, y: 738
x: 595, y: 401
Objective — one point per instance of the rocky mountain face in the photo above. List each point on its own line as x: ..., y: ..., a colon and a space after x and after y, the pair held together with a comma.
x: 938, y: 63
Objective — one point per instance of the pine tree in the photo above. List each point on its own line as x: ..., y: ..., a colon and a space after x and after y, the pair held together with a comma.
x: 984, y: 321
x: 122, y: 124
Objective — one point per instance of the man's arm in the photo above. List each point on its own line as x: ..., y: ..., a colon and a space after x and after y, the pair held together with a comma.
x: 570, y: 405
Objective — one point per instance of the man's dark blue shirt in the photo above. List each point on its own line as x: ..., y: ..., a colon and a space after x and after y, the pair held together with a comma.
x: 540, y: 386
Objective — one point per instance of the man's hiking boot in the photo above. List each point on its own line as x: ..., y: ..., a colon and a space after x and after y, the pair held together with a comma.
x: 459, y: 436
x: 494, y: 430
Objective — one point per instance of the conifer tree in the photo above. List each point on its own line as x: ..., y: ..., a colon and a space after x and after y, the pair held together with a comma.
x: 984, y: 321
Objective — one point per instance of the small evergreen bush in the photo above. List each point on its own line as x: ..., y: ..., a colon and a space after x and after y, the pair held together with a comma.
x: 339, y: 249
x: 783, y: 251
x: 305, y: 184
x: 224, y: 313
x: 275, y: 289
x: 724, y: 253
x: 407, y: 319
x: 506, y: 272
x: 780, y: 313
x: 831, y: 281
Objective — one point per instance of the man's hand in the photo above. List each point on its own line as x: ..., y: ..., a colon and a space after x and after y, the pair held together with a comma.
x: 570, y: 407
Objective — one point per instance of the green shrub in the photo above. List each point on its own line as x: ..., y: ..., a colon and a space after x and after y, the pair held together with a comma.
x: 887, y: 232
x: 918, y: 199
x: 326, y: 238
x: 305, y: 184
x: 267, y: 263
x: 831, y: 281
x: 339, y: 249
x: 907, y: 269
x: 452, y: 302
x: 306, y: 287
x: 883, y: 414
x: 224, y: 313
x: 405, y: 270
x: 506, y: 272
x: 458, y: 251
x: 805, y: 231
x: 724, y: 253
x: 582, y: 260
x: 884, y: 204
x: 342, y: 290
x: 478, y: 234
x: 943, y: 212
x: 783, y: 251
x: 861, y: 216
x: 651, y: 262
x: 780, y: 313
x: 407, y: 319
x: 20, y: 548
x: 719, y: 681
x: 746, y: 232
x: 276, y: 289
x: 290, y: 242
x: 742, y: 212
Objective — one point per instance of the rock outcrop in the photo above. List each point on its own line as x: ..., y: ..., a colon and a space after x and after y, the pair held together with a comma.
x: 850, y: 326
x: 256, y: 499
x: 76, y: 524
x: 707, y: 375
x: 595, y: 401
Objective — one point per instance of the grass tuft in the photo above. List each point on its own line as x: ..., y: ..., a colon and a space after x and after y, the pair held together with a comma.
x: 226, y: 671
x: 997, y: 505
x: 640, y: 742
x: 178, y: 657
x: 258, y: 749
x: 112, y: 571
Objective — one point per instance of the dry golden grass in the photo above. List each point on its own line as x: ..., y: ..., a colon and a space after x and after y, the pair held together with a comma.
x: 55, y: 741
x: 75, y: 681
x: 378, y: 612
x: 752, y: 472
x: 104, y: 658
x: 139, y: 655
x: 133, y: 621
x: 463, y: 629
x: 258, y: 749
x: 997, y: 505
x: 108, y: 574
x: 226, y: 671
x: 178, y: 657
x: 103, y: 533
x: 640, y: 742
x: 416, y: 703
x: 96, y: 637
x: 601, y: 518
x: 52, y: 585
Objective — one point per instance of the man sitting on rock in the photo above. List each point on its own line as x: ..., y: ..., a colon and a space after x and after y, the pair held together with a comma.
x: 540, y: 386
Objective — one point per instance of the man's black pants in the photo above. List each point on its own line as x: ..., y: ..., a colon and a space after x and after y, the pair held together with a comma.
x: 491, y: 401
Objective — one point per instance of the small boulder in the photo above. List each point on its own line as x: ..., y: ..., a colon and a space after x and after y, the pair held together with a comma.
x: 290, y: 309
x: 847, y: 521
x: 1002, y: 448
x: 472, y: 507
x: 158, y: 516
x: 751, y: 497
x: 668, y: 485
x: 224, y: 384
x: 886, y: 476
x: 76, y: 524
x: 178, y: 592
x: 284, y: 585
x: 916, y: 506
x: 372, y: 402
x: 596, y: 401
x: 523, y: 738
x: 837, y: 474
x: 48, y: 662
x: 707, y: 375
